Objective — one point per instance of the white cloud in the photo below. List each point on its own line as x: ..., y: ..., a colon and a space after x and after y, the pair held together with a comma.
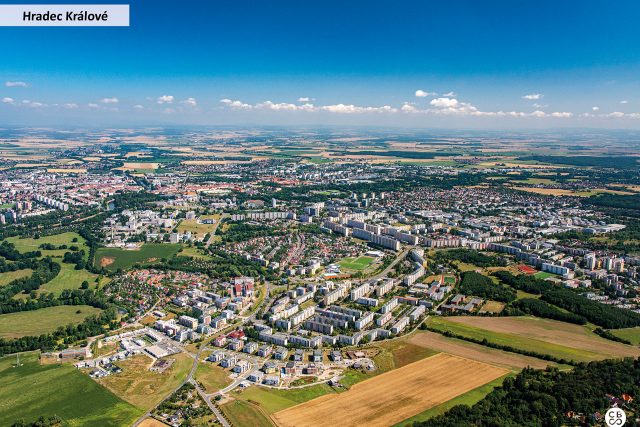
x: 169, y: 110
x: 16, y: 84
x: 539, y: 106
x: 165, y: 99
x: 236, y: 105
x: 449, y: 94
x: 305, y: 99
x: 615, y: 114
x: 533, y: 96
x: 8, y: 100
x: 138, y: 107
x: 562, y: 114
x: 191, y: 102
x: 113, y: 100
x: 444, y: 102
x: 282, y: 106
x: 595, y: 108
x: 33, y: 104
x: 624, y: 101
x: 70, y: 106
x: 93, y: 106
x: 423, y: 94
x: 408, y: 108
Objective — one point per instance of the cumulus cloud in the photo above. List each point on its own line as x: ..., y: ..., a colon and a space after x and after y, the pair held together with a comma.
x: 616, y: 114
x: 595, y: 108
x: 8, y: 100
x: 138, y: 107
x: 191, y: 102
x: 423, y: 94
x: 562, y: 114
x: 70, y: 106
x: 533, y: 96
x: 15, y: 84
x: 444, y: 102
x: 236, y: 105
x: 113, y: 100
x: 93, y: 106
x: 165, y: 99
x: 305, y: 99
x: 624, y: 101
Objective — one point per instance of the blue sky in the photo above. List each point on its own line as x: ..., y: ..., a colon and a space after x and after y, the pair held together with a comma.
x: 499, y: 64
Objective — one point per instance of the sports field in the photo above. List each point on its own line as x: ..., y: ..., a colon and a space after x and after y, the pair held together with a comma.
x: 10, y: 276
x: 359, y: 263
x: 115, y: 258
x: 44, y: 320
x: 417, y: 387
x: 559, y: 339
x: 32, y: 390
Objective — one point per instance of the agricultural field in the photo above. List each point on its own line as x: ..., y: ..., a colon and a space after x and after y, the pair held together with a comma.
x: 142, y: 387
x: 470, y: 398
x: 559, y: 339
x: 422, y: 385
x: 61, y: 390
x: 358, y: 264
x: 115, y: 258
x: 630, y: 334
x: 10, y: 276
x: 43, y: 320
x: 512, y: 361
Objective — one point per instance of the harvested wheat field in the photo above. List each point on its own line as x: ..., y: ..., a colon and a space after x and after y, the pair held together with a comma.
x: 477, y: 352
x: 552, y: 331
x: 395, y: 395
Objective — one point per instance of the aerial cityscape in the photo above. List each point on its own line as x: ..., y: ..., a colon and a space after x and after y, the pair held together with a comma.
x: 326, y: 238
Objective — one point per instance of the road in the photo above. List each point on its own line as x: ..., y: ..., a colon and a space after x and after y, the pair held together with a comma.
x: 386, y: 271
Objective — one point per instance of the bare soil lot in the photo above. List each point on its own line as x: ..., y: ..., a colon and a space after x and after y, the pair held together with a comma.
x: 414, y: 388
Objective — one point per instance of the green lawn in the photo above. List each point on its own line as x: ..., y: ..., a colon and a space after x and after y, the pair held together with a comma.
x: 470, y: 398
x: 543, y: 275
x: 630, y: 334
x: 29, y: 244
x: 42, y: 321
x: 115, y: 258
x: 514, y: 340
x: 358, y: 264
x: 68, y: 278
x: 10, y: 276
x: 32, y: 390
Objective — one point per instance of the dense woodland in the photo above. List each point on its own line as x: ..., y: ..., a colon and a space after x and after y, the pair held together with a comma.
x: 479, y: 285
x: 606, y: 316
x: 550, y: 398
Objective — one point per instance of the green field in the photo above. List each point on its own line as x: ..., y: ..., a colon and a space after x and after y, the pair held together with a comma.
x: 68, y: 278
x: 514, y: 340
x: 358, y: 264
x: 29, y: 244
x: 10, y: 276
x: 470, y: 398
x: 543, y: 275
x: 630, y: 334
x: 32, y: 390
x: 42, y: 321
x: 115, y: 258
x: 194, y: 252
x: 245, y: 414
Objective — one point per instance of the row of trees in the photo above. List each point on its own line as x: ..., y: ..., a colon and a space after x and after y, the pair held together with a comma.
x: 64, y: 335
x: 539, y: 308
x: 603, y: 315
